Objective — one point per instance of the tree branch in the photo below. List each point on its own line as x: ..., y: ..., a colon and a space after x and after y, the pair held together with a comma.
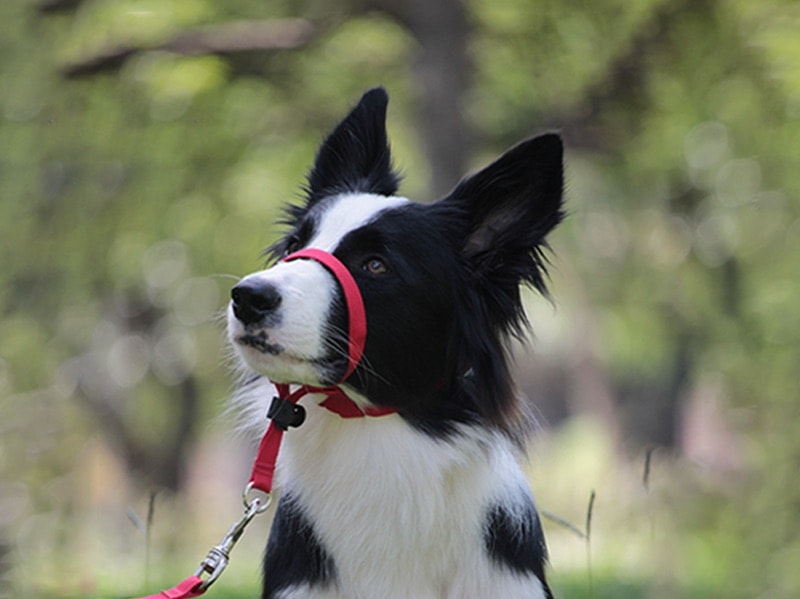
x: 227, y: 39
x: 55, y: 6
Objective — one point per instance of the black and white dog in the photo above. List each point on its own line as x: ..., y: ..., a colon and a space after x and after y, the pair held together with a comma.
x: 427, y: 501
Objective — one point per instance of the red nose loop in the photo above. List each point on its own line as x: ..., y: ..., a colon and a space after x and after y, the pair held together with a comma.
x: 356, y: 316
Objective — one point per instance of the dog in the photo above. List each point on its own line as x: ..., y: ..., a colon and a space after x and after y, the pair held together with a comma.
x: 423, y: 497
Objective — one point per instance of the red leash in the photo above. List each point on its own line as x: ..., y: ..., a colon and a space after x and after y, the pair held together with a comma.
x: 284, y: 412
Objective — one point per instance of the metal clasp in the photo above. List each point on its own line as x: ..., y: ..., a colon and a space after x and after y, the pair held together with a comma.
x: 258, y: 504
x: 218, y: 556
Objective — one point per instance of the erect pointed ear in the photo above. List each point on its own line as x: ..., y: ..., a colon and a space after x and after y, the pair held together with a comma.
x: 511, y: 206
x: 355, y: 157
x: 505, y: 212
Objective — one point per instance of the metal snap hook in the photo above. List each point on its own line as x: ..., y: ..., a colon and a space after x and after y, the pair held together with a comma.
x: 218, y: 556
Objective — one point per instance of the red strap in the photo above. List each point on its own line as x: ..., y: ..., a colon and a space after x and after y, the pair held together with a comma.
x: 267, y: 456
x: 338, y: 403
x: 264, y: 466
x: 191, y: 587
x: 357, y: 317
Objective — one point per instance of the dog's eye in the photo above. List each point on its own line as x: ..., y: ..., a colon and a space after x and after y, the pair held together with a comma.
x: 375, y: 266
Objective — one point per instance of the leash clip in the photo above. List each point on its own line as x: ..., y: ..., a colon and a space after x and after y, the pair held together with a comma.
x: 218, y: 556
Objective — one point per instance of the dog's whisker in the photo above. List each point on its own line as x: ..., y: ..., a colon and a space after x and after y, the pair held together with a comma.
x: 337, y: 342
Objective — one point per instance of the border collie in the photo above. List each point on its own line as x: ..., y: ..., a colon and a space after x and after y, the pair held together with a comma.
x: 427, y: 501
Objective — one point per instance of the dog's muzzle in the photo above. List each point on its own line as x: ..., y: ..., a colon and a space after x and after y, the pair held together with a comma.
x: 253, y: 301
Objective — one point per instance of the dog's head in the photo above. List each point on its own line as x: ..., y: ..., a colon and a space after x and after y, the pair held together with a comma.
x: 440, y: 282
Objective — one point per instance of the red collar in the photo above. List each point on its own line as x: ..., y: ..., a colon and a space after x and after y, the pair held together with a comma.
x: 338, y: 403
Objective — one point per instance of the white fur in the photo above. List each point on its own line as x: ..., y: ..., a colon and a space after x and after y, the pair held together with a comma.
x: 348, y: 213
x: 401, y: 513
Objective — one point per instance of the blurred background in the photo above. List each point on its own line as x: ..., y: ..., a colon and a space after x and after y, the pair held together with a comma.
x: 146, y: 149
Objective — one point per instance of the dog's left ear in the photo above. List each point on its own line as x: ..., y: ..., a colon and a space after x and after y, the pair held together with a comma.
x: 505, y: 212
x: 355, y: 157
x: 511, y: 205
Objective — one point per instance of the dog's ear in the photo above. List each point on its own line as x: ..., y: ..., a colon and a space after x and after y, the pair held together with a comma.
x: 505, y: 212
x: 511, y: 205
x: 355, y: 157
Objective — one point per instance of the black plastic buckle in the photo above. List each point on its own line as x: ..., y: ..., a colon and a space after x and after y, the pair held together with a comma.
x: 284, y: 413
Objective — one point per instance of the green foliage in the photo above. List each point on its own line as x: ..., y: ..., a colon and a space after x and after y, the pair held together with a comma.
x: 130, y: 199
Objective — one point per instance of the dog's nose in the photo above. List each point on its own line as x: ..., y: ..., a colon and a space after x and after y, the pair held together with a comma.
x: 254, y: 300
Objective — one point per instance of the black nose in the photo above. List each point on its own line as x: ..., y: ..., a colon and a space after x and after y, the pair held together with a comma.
x: 254, y: 300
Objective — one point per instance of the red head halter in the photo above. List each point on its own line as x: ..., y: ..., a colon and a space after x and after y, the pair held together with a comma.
x: 284, y: 412
x: 356, y: 316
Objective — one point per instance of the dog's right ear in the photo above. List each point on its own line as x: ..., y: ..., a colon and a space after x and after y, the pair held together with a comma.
x: 355, y: 157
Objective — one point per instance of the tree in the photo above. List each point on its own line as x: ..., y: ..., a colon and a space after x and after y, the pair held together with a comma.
x: 147, y: 147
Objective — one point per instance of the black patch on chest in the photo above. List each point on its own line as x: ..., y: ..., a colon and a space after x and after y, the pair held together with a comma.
x: 294, y: 553
x: 516, y: 541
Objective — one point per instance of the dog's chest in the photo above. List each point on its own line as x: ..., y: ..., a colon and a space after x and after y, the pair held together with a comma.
x: 395, y: 509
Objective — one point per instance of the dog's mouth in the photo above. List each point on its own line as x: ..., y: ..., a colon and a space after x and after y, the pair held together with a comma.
x: 265, y: 352
x: 260, y: 341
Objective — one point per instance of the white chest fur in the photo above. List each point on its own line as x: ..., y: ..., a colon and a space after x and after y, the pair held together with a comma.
x: 403, y: 514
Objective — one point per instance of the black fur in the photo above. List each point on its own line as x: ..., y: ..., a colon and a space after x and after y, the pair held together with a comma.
x: 508, y: 207
x: 356, y: 156
x: 294, y: 554
x: 517, y: 541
